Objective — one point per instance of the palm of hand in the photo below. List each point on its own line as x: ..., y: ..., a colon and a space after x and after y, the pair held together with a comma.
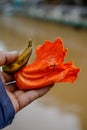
x: 18, y: 97
x: 21, y: 98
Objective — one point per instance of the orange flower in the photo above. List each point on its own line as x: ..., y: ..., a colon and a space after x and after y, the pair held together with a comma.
x: 48, y: 67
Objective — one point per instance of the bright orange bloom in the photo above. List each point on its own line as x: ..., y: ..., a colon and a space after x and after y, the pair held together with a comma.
x: 48, y: 67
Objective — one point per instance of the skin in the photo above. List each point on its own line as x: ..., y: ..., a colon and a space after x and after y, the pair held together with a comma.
x: 19, y: 98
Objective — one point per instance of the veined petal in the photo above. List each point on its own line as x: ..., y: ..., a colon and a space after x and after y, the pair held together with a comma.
x: 47, y: 54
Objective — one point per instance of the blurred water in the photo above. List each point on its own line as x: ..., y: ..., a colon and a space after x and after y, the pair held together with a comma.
x: 65, y: 106
x: 39, y: 117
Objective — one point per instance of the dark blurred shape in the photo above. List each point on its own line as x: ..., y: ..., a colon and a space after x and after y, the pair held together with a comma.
x: 67, y: 2
x: 35, y: 2
x: 83, y: 13
x: 84, y: 2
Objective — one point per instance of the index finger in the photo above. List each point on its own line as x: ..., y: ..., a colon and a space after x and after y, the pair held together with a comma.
x: 7, y: 57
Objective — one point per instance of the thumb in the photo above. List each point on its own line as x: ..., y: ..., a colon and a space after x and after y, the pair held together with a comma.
x: 7, y: 57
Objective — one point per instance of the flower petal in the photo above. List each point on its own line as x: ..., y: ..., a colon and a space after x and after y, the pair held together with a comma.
x: 48, y: 67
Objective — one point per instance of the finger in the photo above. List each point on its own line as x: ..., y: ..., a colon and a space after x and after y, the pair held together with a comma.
x: 18, y: 93
x: 2, y: 77
x: 7, y: 77
x: 11, y: 88
x: 7, y: 57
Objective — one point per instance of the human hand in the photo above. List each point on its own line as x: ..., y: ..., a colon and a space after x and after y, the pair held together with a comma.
x: 19, y: 98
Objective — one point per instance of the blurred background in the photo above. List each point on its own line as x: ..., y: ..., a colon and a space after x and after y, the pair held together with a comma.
x: 64, y: 107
